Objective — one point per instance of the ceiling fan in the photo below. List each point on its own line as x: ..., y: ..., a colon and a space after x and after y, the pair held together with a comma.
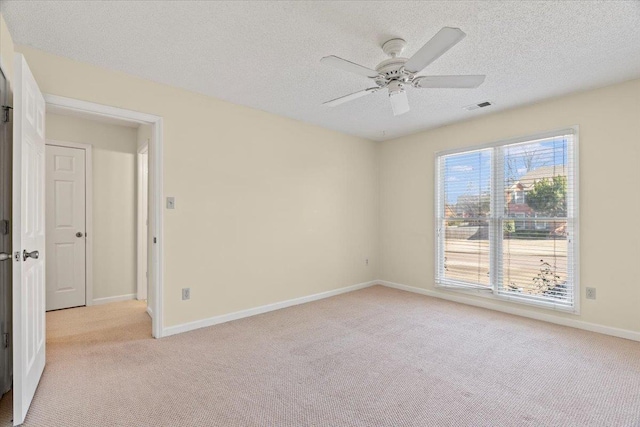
x: 397, y: 73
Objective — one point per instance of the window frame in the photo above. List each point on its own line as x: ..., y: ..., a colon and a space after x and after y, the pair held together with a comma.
x: 518, y: 201
x: 497, y: 199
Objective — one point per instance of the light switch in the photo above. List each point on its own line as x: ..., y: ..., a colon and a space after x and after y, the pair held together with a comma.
x: 171, y: 202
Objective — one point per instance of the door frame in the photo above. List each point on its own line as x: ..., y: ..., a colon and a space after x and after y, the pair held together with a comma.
x: 88, y: 211
x: 156, y: 174
x: 142, y: 261
x: 6, y: 196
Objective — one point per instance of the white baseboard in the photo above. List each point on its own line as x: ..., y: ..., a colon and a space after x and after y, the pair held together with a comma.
x: 149, y: 312
x: 518, y: 311
x: 107, y: 300
x: 579, y: 324
x: 185, y: 327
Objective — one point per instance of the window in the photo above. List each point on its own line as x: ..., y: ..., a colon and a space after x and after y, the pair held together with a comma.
x: 518, y: 197
x: 507, y: 217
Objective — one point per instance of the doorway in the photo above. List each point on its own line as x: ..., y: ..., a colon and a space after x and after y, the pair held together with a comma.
x: 92, y: 111
x: 97, y: 210
x: 28, y: 250
x: 27, y: 204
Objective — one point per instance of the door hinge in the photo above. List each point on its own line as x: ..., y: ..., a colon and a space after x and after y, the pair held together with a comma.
x: 6, y: 340
x: 4, y: 227
x: 6, y: 117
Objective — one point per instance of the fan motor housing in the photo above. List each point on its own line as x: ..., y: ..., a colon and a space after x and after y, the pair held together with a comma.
x: 391, y: 68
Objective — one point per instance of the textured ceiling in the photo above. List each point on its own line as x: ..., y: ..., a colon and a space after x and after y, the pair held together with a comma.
x: 267, y: 54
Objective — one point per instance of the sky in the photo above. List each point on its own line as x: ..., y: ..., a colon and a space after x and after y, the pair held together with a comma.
x: 470, y: 173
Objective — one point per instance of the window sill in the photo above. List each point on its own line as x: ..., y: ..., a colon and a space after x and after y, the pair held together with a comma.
x: 521, y: 300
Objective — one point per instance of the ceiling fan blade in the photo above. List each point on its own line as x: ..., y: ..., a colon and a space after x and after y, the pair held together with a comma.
x: 352, y: 67
x: 350, y: 97
x: 449, y: 81
x: 444, y: 40
x: 399, y: 102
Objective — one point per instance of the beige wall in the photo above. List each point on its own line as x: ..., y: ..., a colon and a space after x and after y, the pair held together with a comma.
x: 114, y: 199
x: 609, y: 149
x: 144, y: 135
x: 268, y: 208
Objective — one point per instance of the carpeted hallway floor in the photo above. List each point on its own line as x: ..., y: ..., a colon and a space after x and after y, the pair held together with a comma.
x: 374, y: 357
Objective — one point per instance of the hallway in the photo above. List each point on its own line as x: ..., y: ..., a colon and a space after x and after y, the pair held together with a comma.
x: 80, y: 342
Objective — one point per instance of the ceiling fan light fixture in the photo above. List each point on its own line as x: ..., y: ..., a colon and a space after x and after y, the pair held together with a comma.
x: 396, y: 72
x: 395, y: 86
x: 399, y: 102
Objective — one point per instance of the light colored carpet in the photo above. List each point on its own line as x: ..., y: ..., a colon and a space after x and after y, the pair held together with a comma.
x: 374, y: 357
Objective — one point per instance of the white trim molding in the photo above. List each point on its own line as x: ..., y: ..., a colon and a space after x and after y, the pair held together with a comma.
x: 102, y: 110
x: 156, y: 176
x: 117, y: 298
x: 142, y: 241
x: 496, y: 151
x: 518, y: 311
x: 223, y: 318
x: 447, y: 295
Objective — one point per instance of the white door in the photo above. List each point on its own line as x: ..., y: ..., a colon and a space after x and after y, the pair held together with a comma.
x: 28, y: 239
x: 65, y: 225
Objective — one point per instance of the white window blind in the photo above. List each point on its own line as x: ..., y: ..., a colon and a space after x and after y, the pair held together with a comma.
x: 464, y: 221
x: 506, y: 220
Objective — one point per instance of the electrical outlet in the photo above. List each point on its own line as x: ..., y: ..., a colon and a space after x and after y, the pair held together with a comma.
x: 366, y: 261
x: 186, y: 294
x: 591, y: 293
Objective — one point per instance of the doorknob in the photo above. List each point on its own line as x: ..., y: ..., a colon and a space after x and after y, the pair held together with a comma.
x: 33, y: 254
x: 4, y: 256
x: 79, y: 234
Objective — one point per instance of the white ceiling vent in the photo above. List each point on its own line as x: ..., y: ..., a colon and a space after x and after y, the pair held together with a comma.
x: 478, y: 105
